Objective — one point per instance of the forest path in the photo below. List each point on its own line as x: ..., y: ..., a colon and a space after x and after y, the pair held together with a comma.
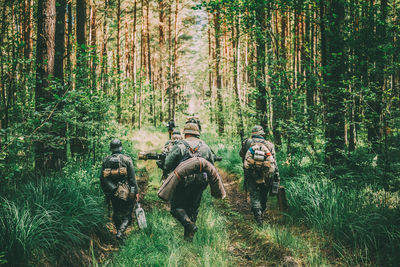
x: 227, y: 236
x: 243, y: 248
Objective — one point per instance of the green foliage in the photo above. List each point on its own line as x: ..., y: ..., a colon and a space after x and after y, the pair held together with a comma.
x: 52, y: 216
x: 227, y: 149
x: 351, y: 216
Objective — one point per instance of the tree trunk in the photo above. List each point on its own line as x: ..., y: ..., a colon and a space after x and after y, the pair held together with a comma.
x: 59, y: 41
x: 220, y: 115
x: 46, y: 14
x: 236, y: 52
x: 93, y: 58
x: 118, y: 85
x: 133, y: 73
x: 334, y: 69
x: 261, y: 103
x: 161, y: 53
x: 174, y: 62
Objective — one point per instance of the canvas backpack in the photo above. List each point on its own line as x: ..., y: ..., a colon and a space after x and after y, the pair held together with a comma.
x: 259, y: 158
x: 192, y: 152
x: 118, y: 174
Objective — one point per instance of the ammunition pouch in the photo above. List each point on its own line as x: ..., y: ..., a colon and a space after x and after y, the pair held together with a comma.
x: 122, y: 191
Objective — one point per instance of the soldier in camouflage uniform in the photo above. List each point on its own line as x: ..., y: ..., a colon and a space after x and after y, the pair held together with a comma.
x: 118, y: 172
x: 186, y: 199
x: 194, y: 119
x: 258, y: 191
x: 176, y: 136
x: 171, y: 126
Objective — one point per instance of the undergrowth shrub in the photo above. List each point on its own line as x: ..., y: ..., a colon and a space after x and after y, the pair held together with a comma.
x: 52, y: 217
x: 351, y: 216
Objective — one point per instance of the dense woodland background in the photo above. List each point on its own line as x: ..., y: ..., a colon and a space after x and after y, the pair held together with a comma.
x: 323, y: 77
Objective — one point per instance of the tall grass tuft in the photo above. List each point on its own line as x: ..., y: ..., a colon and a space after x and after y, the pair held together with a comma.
x: 349, y: 215
x: 162, y: 243
x: 50, y: 217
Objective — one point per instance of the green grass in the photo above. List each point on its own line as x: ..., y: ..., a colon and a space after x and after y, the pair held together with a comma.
x: 162, y: 243
x: 50, y: 218
x: 351, y: 216
x: 360, y: 219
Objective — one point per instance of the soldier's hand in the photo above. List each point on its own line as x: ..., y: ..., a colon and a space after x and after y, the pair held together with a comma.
x: 137, y: 197
x: 132, y: 196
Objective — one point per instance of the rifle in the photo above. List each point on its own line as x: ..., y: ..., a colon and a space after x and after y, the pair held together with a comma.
x: 151, y: 156
x: 161, y: 156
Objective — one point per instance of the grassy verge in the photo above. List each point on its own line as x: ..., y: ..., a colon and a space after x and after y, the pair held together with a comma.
x: 352, y: 217
x: 51, y: 220
x: 354, y: 225
x: 162, y: 243
x: 42, y: 222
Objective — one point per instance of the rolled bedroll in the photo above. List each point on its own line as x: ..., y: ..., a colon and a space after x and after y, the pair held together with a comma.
x: 192, y: 166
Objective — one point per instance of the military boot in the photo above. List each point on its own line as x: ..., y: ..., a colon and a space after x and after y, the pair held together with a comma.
x: 190, y: 230
x: 121, y: 229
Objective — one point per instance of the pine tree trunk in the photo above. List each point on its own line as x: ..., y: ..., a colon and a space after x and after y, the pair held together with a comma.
x: 93, y: 58
x: 236, y: 54
x: 220, y: 115
x: 260, y: 74
x: 133, y: 72
x: 59, y: 40
x: 46, y: 14
x: 333, y: 90
x: 118, y: 83
x: 174, y: 62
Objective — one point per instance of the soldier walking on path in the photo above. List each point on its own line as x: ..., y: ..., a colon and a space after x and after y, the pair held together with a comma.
x: 171, y: 126
x: 176, y: 136
x: 118, y: 182
x: 260, y: 170
x: 186, y: 198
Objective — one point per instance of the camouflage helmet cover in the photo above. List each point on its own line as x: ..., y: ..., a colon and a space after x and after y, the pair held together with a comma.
x: 191, y: 128
x: 176, y: 135
x: 116, y: 145
x: 257, y: 130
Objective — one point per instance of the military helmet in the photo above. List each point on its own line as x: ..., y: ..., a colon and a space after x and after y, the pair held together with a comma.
x: 194, y: 119
x: 116, y: 145
x: 176, y: 135
x: 257, y: 130
x: 191, y: 128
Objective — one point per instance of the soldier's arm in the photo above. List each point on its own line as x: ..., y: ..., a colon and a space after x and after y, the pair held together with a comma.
x: 173, y: 158
x: 272, y: 149
x: 243, y: 150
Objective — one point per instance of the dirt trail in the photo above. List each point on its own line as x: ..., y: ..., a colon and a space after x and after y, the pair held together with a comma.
x: 244, y: 246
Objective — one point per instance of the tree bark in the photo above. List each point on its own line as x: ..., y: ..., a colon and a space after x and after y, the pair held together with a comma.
x: 46, y: 14
x: 220, y: 115
x: 261, y: 103
x: 334, y: 69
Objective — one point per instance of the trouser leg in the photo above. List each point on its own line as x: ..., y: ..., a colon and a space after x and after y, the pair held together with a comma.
x: 122, y: 215
x: 180, y: 215
x: 256, y: 199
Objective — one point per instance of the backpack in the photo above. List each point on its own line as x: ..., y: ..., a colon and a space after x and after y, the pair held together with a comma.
x: 118, y: 174
x: 258, y: 158
x: 192, y: 152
